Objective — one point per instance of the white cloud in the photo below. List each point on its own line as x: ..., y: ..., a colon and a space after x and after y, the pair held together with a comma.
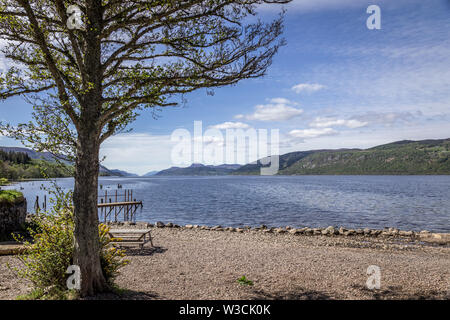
x: 230, y: 125
x: 331, y: 122
x: 312, y: 133
x: 137, y: 152
x: 278, y: 109
x: 307, y: 87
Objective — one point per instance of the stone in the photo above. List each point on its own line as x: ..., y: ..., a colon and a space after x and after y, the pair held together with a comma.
x: 406, y: 233
x: 12, y: 217
x: 189, y: 226
x: 160, y: 224
x: 309, y: 231
x: 169, y: 225
x: 317, y: 231
x: 367, y: 231
x: 302, y: 230
x: 240, y: 230
x: 342, y: 230
x: 265, y: 230
x: 280, y: 230
x: 292, y: 231
x: 351, y: 232
x: 330, y: 231
x: 144, y: 225
x: 375, y: 233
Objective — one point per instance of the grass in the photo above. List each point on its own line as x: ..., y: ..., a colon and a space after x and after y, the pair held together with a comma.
x: 11, y: 196
x: 51, y: 294
x: 244, y: 281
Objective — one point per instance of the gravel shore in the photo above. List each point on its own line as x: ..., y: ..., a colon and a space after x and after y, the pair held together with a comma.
x: 204, y: 264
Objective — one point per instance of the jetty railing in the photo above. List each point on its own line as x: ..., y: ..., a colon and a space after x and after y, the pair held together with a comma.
x: 124, y: 205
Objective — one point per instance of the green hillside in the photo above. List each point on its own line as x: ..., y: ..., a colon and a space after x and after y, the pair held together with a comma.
x: 402, y: 157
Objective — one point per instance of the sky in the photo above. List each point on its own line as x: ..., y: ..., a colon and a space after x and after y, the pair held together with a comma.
x: 336, y: 84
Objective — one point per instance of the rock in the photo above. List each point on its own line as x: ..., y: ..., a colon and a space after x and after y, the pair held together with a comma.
x: 176, y: 226
x: 375, y: 233
x: 160, y: 224
x: 406, y: 233
x: 366, y: 231
x: 342, y: 231
x: 144, y: 225
x: 240, y: 230
x: 359, y: 231
x: 292, y: 231
x: 317, y: 231
x: 204, y: 228
x: 195, y: 226
x: 330, y: 231
x: 12, y: 217
x: 217, y: 228
x: 309, y: 231
x: 263, y: 227
x: 265, y: 230
x: 169, y: 225
x: 350, y: 232
x: 280, y: 230
x: 189, y: 226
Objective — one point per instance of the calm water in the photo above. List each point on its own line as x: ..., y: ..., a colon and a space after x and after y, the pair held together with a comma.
x: 405, y: 202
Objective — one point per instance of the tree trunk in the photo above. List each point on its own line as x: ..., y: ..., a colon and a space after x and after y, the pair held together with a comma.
x: 85, y: 197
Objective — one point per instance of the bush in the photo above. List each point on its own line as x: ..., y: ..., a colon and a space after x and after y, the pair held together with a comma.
x: 11, y: 196
x: 51, y: 250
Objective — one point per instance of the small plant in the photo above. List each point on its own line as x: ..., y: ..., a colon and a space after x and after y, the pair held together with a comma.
x: 244, y: 281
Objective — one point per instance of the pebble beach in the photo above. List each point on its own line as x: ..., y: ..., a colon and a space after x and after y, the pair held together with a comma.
x: 200, y: 262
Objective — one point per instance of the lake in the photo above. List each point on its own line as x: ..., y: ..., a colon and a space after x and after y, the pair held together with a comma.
x: 405, y: 202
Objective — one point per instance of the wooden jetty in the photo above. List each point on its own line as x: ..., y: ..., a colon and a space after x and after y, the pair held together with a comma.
x: 128, y: 207
x: 124, y: 206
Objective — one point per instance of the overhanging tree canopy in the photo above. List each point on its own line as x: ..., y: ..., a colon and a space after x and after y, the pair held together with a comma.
x: 89, y: 83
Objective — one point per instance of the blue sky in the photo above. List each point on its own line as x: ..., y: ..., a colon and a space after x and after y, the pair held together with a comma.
x: 335, y: 84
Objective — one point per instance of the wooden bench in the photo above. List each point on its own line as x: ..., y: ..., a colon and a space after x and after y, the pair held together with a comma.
x: 131, y: 237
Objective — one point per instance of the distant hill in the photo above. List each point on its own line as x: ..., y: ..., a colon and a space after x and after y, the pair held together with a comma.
x: 150, y: 174
x: 397, y: 158
x: 49, y: 157
x: 120, y: 173
x: 199, y: 170
x: 31, y: 153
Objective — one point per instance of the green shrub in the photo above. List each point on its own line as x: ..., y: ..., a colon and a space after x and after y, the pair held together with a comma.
x: 11, y: 196
x: 51, y: 250
x: 244, y: 281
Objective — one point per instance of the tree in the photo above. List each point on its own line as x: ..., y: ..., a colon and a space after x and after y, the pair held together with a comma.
x: 90, y: 70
